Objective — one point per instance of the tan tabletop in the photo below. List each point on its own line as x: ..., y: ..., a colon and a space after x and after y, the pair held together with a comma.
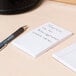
x: 14, y: 62
x: 67, y: 1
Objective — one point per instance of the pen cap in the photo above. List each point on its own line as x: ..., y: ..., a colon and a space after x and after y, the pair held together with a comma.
x: 16, y: 6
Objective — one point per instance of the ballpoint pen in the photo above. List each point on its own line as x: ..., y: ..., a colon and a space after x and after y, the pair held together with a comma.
x: 5, y: 42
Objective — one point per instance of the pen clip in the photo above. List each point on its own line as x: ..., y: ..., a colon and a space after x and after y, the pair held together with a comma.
x: 3, y: 47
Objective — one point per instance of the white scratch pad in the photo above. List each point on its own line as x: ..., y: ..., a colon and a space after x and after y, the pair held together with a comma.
x: 41, y: 39
x: 67, y: 56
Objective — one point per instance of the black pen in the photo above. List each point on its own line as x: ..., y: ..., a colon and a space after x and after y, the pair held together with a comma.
x: 12, y: 37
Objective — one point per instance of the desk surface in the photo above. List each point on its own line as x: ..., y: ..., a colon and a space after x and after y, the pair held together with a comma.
x: 14, y: 62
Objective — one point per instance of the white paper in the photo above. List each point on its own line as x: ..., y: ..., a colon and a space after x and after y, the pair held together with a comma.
x: 67, y: 56
x: 41, y: 39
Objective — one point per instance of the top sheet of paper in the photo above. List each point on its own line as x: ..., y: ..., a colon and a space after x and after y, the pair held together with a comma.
x: 67, y: 56
x: 41, y: 39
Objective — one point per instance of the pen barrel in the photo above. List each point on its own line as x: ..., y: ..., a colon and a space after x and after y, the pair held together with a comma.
x: 18, y: 32
x: 1, y: 45
x: 11, y: 37
x: 6, y: 41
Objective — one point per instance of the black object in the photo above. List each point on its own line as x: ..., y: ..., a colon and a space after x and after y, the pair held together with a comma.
x: 16, y: 6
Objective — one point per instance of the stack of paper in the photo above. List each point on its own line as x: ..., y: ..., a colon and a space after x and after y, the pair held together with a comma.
x: 41, y: 39
x: 67, y: 56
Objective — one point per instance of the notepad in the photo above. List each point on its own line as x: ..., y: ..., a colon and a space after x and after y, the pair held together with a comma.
x: 41, y: 39
x: 67, y: 56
